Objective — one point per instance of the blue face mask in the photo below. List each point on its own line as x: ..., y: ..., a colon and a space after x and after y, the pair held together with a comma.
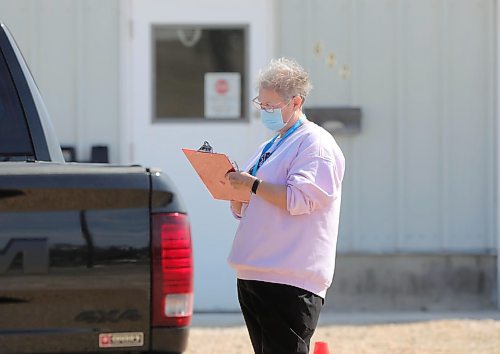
x: 272, y: 121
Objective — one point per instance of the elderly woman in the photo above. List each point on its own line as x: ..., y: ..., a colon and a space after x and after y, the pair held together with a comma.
x: 284, y: 249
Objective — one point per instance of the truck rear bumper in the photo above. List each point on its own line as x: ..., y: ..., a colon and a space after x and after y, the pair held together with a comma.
x: 168, y: 339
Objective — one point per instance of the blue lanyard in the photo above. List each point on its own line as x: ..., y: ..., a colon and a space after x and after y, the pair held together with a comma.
x: 269, y: 144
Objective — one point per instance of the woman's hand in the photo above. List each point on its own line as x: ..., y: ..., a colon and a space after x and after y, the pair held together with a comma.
x: 273, y: 193
x: 236, y: 207
x: 240, y: 180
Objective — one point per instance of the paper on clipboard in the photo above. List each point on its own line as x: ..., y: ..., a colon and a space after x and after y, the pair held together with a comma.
x: 212, y: 169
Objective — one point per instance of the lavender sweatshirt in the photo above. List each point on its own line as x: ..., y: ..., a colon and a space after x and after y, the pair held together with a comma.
x: 294, y: 246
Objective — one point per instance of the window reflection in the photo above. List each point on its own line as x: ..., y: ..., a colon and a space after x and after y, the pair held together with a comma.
x: 182, y: 57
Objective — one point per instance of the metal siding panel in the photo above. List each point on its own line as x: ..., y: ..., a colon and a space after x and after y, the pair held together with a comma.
x: 331, y: 25
x: 376, y: 229
x: 72, y: 49
x: 420, y: 148
x: 292, y: 37
x: 492, y: 63
x: 13, y: 13
x: 352, y: 199
x: 100, y: 49
x: 469, y: 144
x: 54, y: 49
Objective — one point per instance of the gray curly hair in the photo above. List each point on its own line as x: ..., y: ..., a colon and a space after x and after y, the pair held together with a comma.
x: 286, y: 77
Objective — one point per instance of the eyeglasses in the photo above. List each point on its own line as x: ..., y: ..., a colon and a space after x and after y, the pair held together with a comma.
x: 267, y: 108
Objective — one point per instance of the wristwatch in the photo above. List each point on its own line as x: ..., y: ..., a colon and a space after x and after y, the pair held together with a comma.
x: 255, y: 185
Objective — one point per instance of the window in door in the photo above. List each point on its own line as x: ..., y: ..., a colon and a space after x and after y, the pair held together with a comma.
x: 199, y: 72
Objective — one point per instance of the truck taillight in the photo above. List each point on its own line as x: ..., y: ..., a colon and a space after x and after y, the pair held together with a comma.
x: 172, y: 287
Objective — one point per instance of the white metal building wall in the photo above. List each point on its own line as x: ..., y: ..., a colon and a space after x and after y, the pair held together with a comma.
x: 73, y: 48
x: 421, y: 174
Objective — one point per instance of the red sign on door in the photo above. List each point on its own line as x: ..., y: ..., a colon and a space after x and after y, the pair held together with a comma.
x: 221, y: 86
x: 222, y: 95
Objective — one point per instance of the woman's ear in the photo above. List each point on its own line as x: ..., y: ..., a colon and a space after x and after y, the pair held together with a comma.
x: 298, y: 101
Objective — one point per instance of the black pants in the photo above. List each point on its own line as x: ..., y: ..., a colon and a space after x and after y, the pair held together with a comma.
x: 280, y: 319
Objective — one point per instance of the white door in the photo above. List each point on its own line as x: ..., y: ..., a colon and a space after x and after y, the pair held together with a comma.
x: 165, y: 113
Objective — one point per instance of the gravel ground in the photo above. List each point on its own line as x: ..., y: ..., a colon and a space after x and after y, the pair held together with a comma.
x: 436, y: 337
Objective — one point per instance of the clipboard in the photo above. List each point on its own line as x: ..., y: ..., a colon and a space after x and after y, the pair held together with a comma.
x: 212, y: 168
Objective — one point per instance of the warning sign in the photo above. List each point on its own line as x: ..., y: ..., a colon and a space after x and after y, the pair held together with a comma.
x: 222, y: 95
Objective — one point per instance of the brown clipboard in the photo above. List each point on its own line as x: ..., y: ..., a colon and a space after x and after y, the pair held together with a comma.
x: 212, y: 168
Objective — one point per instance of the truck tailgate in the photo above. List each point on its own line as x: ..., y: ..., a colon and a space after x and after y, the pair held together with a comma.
x: 74, y: 257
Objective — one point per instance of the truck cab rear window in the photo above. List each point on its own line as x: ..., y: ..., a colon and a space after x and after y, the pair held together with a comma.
x: 15, y: 142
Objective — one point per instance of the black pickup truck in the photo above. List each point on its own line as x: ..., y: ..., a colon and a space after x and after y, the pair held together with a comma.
x: 93, y: 258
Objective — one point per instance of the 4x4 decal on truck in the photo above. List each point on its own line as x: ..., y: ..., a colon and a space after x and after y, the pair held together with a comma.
x: 35, y: 255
